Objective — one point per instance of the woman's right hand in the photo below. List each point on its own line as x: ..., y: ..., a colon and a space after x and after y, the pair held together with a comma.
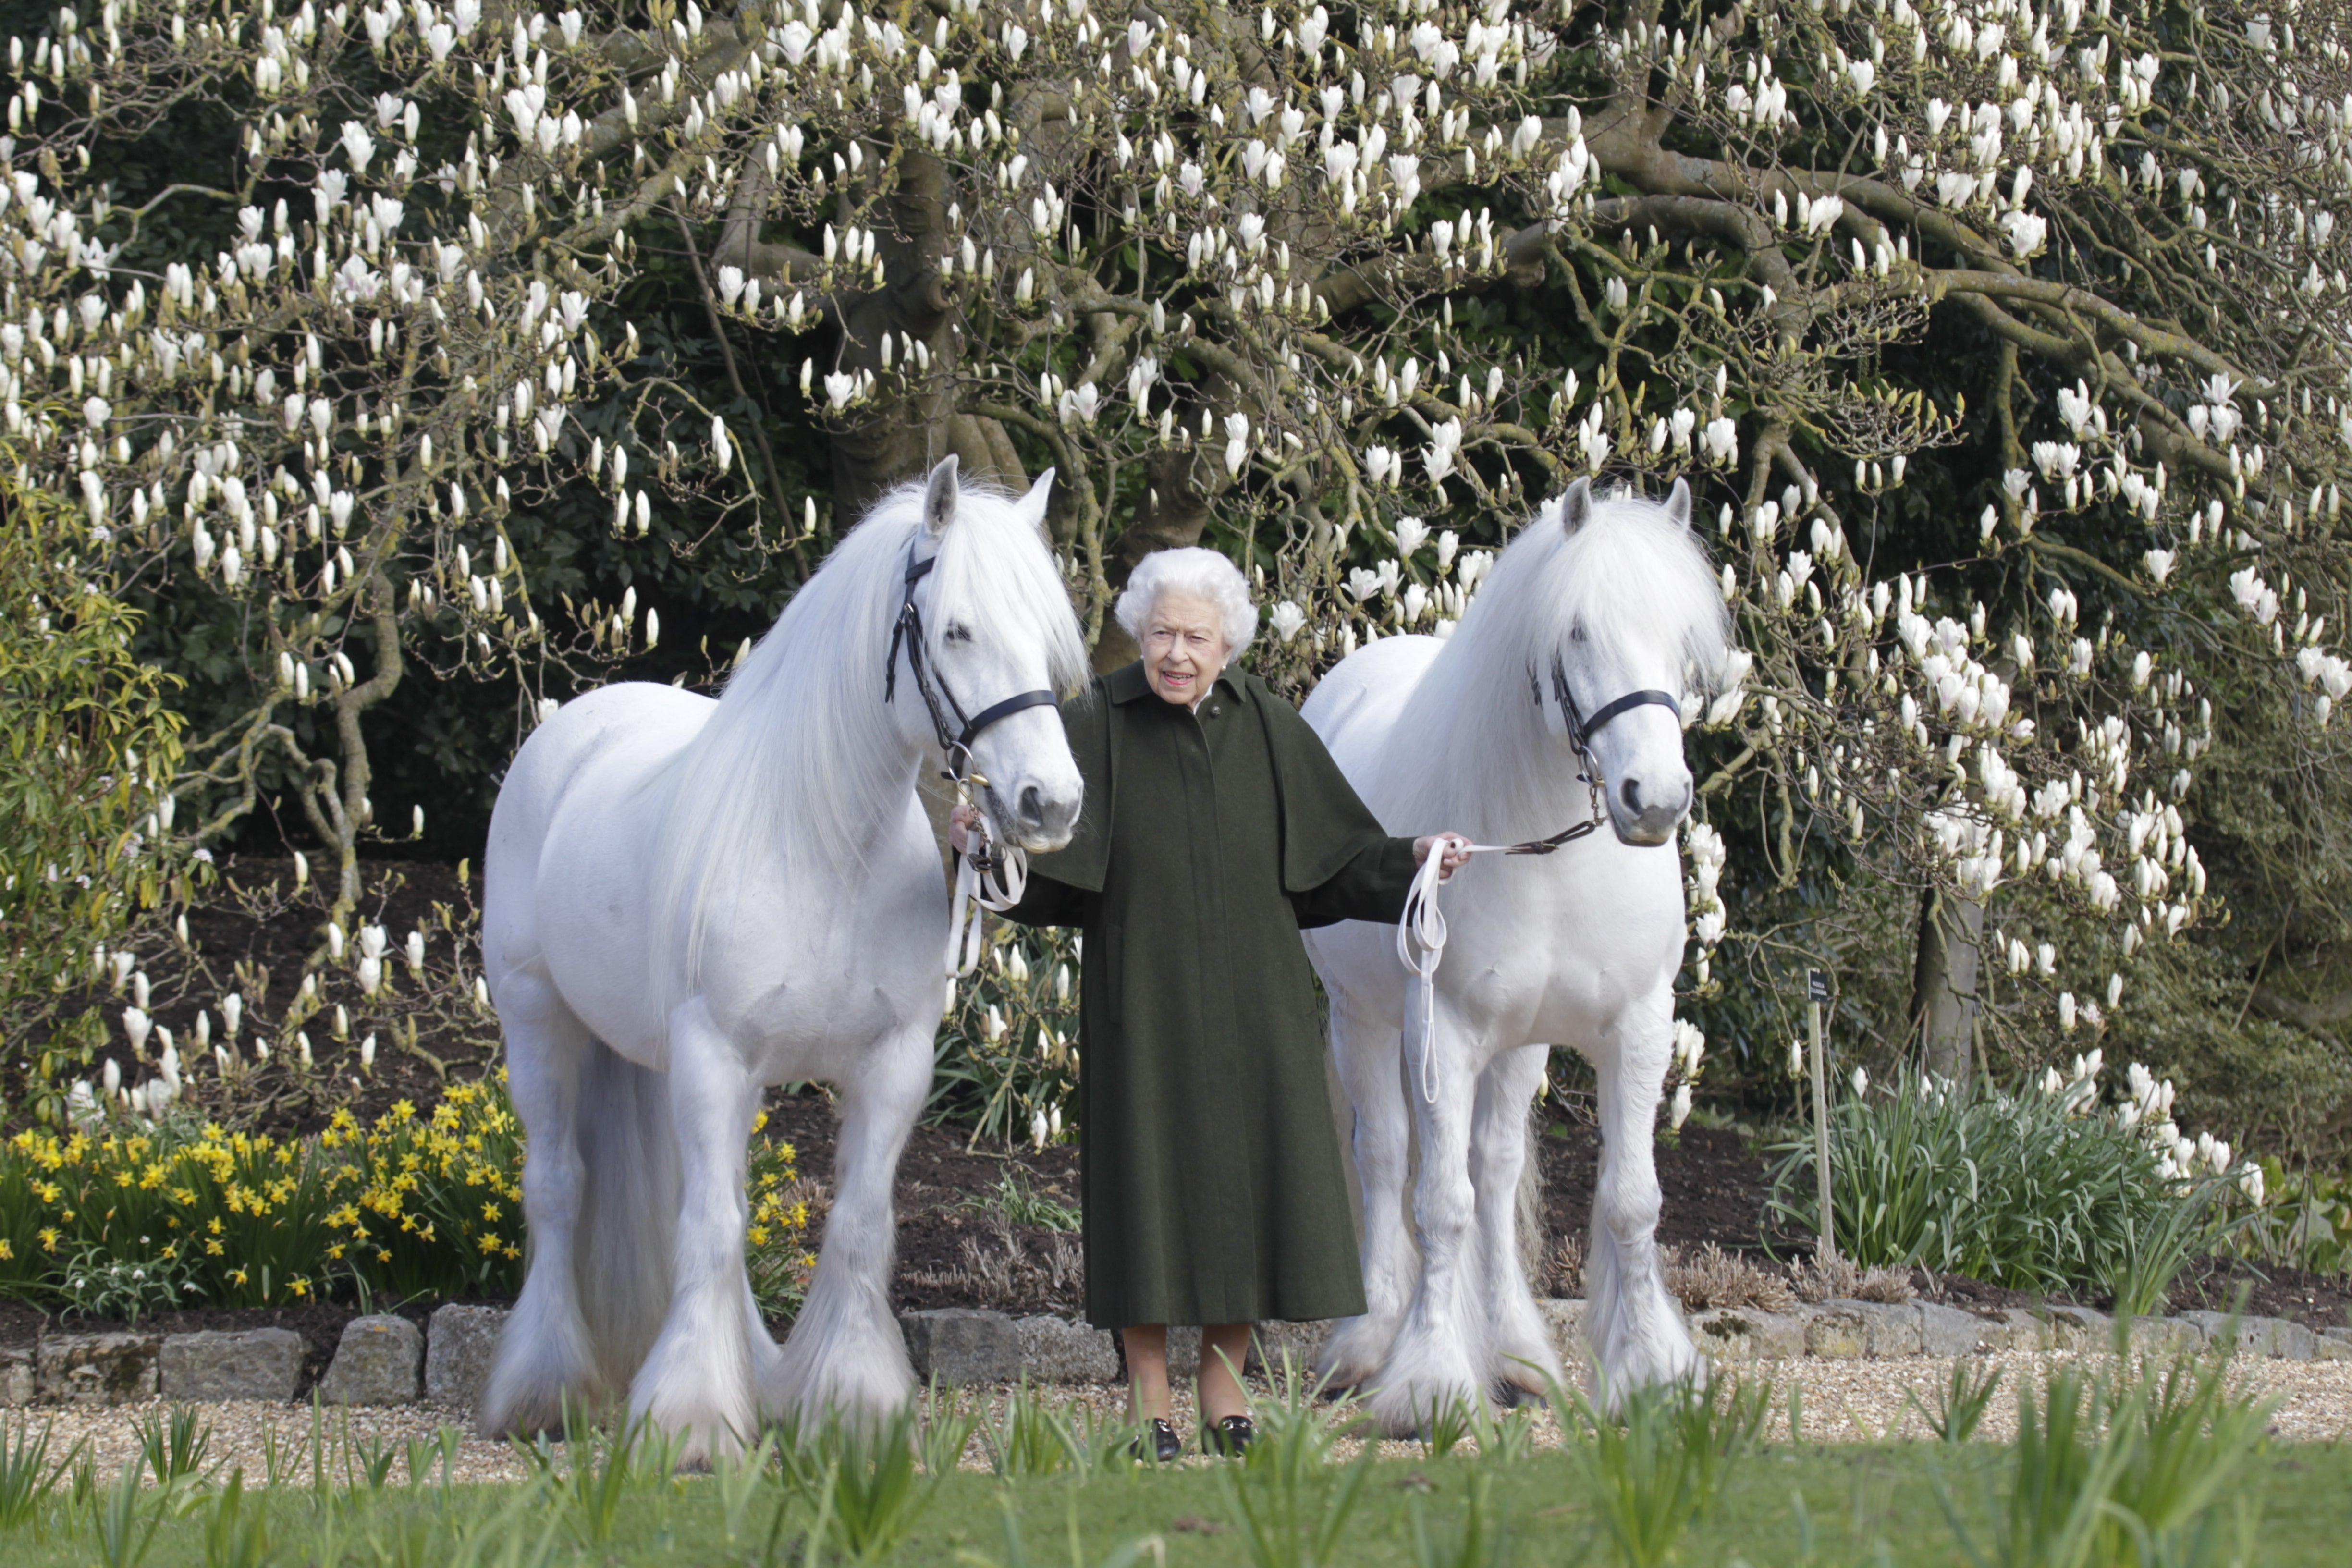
x: 960, y: 822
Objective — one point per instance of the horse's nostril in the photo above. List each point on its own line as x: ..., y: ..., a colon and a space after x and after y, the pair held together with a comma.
x: 1631, y: 794
x: 1032, y: 806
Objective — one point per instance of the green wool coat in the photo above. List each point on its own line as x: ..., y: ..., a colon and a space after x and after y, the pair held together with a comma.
x: 1210, y: 1171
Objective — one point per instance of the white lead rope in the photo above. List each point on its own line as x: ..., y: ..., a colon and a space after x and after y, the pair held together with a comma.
x: 975, y: 890
x: 1422, y: 927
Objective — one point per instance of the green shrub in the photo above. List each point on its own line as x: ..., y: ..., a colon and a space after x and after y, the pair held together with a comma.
x: 87, y: 750
x: 2039, y: 1190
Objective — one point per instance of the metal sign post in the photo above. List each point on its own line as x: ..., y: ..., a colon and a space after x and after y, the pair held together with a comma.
x: 1817, y: 995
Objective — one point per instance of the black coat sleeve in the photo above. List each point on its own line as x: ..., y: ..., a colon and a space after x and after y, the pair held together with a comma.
x: 1371, y: 886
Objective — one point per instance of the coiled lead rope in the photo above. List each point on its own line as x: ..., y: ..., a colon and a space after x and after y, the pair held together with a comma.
x: 1422, y: 924
x: 992, y: 880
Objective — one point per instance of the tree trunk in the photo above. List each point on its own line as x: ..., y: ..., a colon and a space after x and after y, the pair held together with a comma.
x: 1944, y: 983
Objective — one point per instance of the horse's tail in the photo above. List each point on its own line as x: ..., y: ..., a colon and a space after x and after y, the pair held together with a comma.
x: 628, y: 1210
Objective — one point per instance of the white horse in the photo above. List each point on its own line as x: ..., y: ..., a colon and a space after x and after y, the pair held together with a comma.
x: 1599, y: 608
x: 688, y: 900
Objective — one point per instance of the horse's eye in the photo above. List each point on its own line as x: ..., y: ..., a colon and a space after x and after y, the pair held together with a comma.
x: 956, y: 633
x: 1576, y: 634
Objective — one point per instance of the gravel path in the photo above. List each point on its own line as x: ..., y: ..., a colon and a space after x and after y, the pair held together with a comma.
x: 1843, y: 1401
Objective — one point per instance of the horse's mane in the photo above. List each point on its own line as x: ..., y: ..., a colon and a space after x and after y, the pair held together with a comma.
x: 802, y: 758
x: 1470, y: 749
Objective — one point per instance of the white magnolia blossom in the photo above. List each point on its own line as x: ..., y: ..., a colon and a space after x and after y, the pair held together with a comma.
x: 1996, y: 117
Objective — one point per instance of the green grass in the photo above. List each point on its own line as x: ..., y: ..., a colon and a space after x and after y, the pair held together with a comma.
x: 1782, y: 1506
x: 2143, y: 1465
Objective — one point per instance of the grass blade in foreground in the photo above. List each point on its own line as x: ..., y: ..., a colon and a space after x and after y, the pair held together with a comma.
x: 1664, y: 1461
x: 2123, y: 1468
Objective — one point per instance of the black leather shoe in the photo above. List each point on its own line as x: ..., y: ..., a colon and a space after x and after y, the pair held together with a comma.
x: 1229, y: 1436
x: 1166, y: 1447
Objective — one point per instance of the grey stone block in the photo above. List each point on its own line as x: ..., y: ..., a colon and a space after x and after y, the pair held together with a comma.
x: 1889, y: 1330
x: 460, y: 1343
x: 2341, y: 1334
x: 2028, y: 1330
x: 2260, y: 1336
x: 1057, y: 1349
x: 2291, y: 1341
x: 377, y: 1362
x: 962, y: 1345
x: 2333, y: 1344
x: 17, y: 1376
x: 1952, y: 1332
x: 2166, y: 1336
x: 255, y: 1363
x: 2081, y: 1329
x: 1563, y: 1319
x: 1835, y: 1332
x: 97, y: 1369
x: 1301, y: 1341
x: 1748, y: 1333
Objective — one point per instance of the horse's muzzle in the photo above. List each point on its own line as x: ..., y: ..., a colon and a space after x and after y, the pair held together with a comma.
x: 1646, y: 817
x: 1035, y: 818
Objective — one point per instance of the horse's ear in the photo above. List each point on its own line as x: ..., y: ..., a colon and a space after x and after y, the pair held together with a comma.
x: 1678, y: 502
x: 1576, y: 506
x: 940, y: 495
x: 1032, y: 505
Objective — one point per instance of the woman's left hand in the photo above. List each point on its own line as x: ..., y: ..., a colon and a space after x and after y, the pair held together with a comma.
x: 1457, y: 852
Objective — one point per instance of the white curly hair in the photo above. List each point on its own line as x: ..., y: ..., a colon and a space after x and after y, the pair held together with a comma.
x: 1202, y: 573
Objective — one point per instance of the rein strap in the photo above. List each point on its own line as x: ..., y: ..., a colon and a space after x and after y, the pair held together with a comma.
x: 987, y: 878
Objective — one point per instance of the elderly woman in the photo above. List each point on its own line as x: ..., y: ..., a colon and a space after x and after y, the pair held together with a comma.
x: 1215, y: 827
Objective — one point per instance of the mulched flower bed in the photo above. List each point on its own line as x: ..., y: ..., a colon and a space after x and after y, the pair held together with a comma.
x: 232, y: 949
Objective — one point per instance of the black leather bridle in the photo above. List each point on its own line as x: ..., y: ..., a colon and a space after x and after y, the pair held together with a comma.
x: 955, y: 729
x: 1581, y: 731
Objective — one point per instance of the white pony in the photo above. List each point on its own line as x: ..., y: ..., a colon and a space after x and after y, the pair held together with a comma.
x: 688, y: 900
x: 1599, y: 608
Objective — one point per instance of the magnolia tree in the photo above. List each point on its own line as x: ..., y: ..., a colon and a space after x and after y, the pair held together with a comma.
x: 1247, y: 274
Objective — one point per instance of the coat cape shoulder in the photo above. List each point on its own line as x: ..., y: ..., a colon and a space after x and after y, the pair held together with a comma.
x: 1324, y: 824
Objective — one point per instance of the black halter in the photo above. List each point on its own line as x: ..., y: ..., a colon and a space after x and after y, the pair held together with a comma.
x: 1581, y: 731
x: 955, y: 738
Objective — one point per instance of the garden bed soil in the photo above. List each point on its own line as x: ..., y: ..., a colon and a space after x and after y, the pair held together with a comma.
x: 231, y: 948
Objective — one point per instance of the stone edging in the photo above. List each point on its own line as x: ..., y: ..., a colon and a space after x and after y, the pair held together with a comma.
x: 385, y: 1360
x: 963, y: 1345
x: 380, y: 1360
